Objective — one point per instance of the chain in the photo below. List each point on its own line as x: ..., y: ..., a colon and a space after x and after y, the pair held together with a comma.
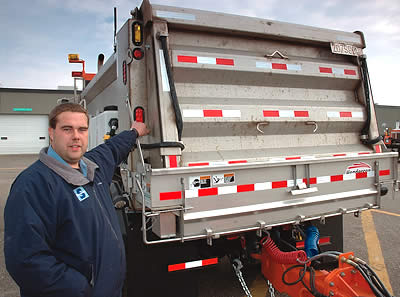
x: 271, y: 289
x: 237, y: 266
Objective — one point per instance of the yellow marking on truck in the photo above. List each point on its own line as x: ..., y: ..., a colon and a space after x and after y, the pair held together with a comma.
x: 375, y: 256
x: 386, y: 212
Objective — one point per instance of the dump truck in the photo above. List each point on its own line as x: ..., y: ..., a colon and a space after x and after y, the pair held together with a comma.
x: 263, y: 136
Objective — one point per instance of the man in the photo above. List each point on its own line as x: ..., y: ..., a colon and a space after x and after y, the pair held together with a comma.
x: 62, y: 237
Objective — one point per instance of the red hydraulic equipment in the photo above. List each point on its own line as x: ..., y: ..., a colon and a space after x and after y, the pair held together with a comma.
x: 292, y: 273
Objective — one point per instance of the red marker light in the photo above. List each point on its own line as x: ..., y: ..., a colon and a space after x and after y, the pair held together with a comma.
x: 138, y: 53
x: 77, y: 74
x: 139, y: 114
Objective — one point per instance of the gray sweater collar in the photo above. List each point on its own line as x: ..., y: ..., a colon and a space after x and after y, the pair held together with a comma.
x: 69, y: 174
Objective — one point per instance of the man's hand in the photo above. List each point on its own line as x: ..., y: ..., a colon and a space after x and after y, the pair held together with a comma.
x: 141, y: 128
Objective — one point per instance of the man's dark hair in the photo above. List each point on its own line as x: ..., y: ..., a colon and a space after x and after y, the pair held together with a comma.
x: 72, y: 107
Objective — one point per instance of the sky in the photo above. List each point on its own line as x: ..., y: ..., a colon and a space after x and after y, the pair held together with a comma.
x: 37, y: 35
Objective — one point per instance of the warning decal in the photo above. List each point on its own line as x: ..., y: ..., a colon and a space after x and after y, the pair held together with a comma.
x: 223, y: 179
x: 199, y: 182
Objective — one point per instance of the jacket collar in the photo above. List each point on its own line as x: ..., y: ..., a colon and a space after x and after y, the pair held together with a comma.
x: 69, y: 174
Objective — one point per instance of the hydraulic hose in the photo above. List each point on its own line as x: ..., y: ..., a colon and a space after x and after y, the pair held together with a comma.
x: 282, y: 257
x: 311, y: 242
x: 174, y: 98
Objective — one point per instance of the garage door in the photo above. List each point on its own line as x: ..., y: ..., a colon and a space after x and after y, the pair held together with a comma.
x: 23, y: 134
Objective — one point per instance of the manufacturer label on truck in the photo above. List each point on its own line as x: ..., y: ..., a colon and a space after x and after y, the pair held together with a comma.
x: 358, y: 168
x: 345, y: 49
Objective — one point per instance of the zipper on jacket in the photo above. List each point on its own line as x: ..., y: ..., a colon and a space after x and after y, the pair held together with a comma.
x: 106, y: 216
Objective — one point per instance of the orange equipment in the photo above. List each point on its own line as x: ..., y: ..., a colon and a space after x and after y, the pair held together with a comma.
x: 298, y: 278
x: 74, y: 58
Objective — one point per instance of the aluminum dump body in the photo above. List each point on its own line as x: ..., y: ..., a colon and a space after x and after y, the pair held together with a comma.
x: 272, y: 115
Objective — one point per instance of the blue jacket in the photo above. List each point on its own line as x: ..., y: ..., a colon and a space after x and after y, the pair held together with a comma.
x: 62, y: 237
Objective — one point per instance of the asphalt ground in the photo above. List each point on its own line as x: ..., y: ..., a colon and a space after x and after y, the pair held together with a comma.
x: 372, y: 237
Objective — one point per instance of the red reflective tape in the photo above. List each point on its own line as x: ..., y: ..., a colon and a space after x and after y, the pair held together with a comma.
x: 209, y: 261
x: 198, y: 164
x: 345, y: 114
x: 324, y: 240
x: 187, y: 59
x: 378, y: 148
x: 325, y: 70
x: 293, y: 158
x: 279, y: 184
x: 384, y: 172
x: 364, y: 153
x: 229, y: 62
x: 245, y: 188
x: 349, y: 72
x: 339, y: 155
x: 313, y: 181
x: 208, y: 192
x: 271, y: 113
x: 335, y: 178
x: 237, y: 161
x: 304, y: 180
x: 212, y: 112
x: 361, y: 175
x: 176, y: 267
x: 279, y: 66
x: 301, y: 113
x: 170, y: 196
x: 173, y: 162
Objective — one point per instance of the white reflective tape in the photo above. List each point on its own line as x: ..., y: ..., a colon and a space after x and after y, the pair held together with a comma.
x: 308, y: 158
x: 277, y: 159
x: 323, y: 179
x: 193, y: 113
x: 175, y: 15
x: 286, y: 114
x: 231, y: 113
x: 193, y: 264
x: 227, y: 190
x: 219, y: 163
x: 206, y: 60
x: 357, y: 114
x: 164, y: 75
x: 266, y: 65
x: 349, y: 176
x: 263, y: 186
x: 192, y: 193
x: 370, y: 173
x: 338, y: 71
x: 299, y: 181
x: 290, y: 183
x: 293, y: 67
x: 333, y: 114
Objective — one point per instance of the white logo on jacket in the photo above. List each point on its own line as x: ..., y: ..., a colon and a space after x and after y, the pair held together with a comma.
x: 81, y: 193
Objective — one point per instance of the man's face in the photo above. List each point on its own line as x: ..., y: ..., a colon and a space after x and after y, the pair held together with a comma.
x: 70, y: 137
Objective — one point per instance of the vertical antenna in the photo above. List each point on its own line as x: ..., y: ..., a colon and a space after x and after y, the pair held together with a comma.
x: 115, y: 28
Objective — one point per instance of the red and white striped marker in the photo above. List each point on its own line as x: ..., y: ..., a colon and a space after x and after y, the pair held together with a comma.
x: 217, y: 191
x: 205, y: 60
x: 278, y: 66
x: 211, y: 113
x: 192, y: 264
x: 341, y: 71
x: 345, y: 114
x: 286, y: 113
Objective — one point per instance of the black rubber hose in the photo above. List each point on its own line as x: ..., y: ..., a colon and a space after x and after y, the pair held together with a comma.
x: 368, y: 280
x: 384, y: 290
x: 174, y: 98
